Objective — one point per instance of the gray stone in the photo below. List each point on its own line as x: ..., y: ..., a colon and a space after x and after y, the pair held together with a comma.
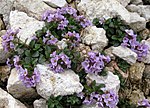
x: 5, y: 8
x: 4, y: 73
x: 17, y: 88
x: 143, y: 10
x: 137, y: 2
x: 125, y: 53
x: 26, y: 25
x: 95, y: 37
x: 136, y: 72
x: 124, y: 2
x: 3, y: 55
x: 136, y: 95
x: 111, y: 81
x: 111, y: 8
x: 41, y: 103
x: 59, y: 3
x: 7, y: 101
x: 34, y: 8
x: 147, y: 58
x: 55, y: 84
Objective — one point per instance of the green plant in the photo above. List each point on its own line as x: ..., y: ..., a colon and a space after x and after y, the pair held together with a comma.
x: 64, y: 101
x: 115, y: 30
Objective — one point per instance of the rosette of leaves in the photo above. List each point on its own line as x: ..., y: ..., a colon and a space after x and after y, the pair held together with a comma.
x: 115, y: 30
x: 69, y: 101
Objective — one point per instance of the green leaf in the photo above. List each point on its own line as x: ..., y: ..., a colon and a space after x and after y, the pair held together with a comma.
x: 32, y: 43
x: 27, y: 53
x: 41, y: 59
x: 27, y: 60
x: 37, y: 46
x: 35, y: 54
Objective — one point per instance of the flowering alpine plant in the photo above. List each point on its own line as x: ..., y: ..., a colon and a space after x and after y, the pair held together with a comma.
x: 139, y: 48
x: 59, y: 62
x: 108, y: 98
x: 144, y: 103
x: 8, y: 40
x: 95, y: 62
x: 61, y: 16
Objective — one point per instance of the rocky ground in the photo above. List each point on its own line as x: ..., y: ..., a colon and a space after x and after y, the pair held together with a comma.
x: 26, y: 15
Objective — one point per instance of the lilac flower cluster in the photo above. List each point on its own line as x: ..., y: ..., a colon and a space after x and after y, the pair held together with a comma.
x: 95, y: 62
x: 59, y: 16
x: 144, y: 103
x: 130, y: 41
x: 74, y: 38
x: 28, y: 81
x: 49, y: 39
x: 59, y: 62
x: 7, y: 40
x: 109, y: 99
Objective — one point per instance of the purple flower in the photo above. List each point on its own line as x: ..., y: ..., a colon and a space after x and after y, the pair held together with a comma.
x: 81, y: 95
x: 130, y: 41
x: 7, y: 40
x: 74, y: 38
x: 95, y: 62
x: 8, y: 62
x: 29, y: 81
x: 144, y: 103
x: 83, y: 21
x: 52, y: 40
x: 59, y: 62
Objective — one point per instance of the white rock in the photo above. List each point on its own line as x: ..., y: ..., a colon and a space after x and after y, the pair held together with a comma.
x: 147, y: 58
x: 4, y: 73
x: 41, y: 103
x: 51, y: 83
x: 110, y: 8
x: 59, y: 3
x: 96, y: 37
x: 124, y: 2
x: 137, y: 2
x: 7, y: 101
x: 125, y: 53
x: 17, y: 89
x: 34, y: 8
x: 3, y: 55
x: 26, y: 24
x: 111, y: 81
x: 143, y: 10
x: 5, y: 8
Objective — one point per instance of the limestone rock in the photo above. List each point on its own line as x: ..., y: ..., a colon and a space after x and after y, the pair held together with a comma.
x: 136, y: 95
x: 3, y: 55
x: 7, y: 101
x: 124, y: 2
x: 41, y: 103
x: 136, y: 72
x: 5, y: 8
x: 147, y: 58
x: 125, y: 53
x: 17, y: 89
x: 96, y: 37
x: 59, y: 3
x: 2, y: 25
x: 146, y: 80
x: 143, y: 10
x: 26, y: 24
x: 34, y: 8
x: 111, y: 8
x: 2, y: 32
x: 4, y: 73
x: 51, y: 83
x: 108, y: 52
x: 137, y: 2
x: 111, y: 81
